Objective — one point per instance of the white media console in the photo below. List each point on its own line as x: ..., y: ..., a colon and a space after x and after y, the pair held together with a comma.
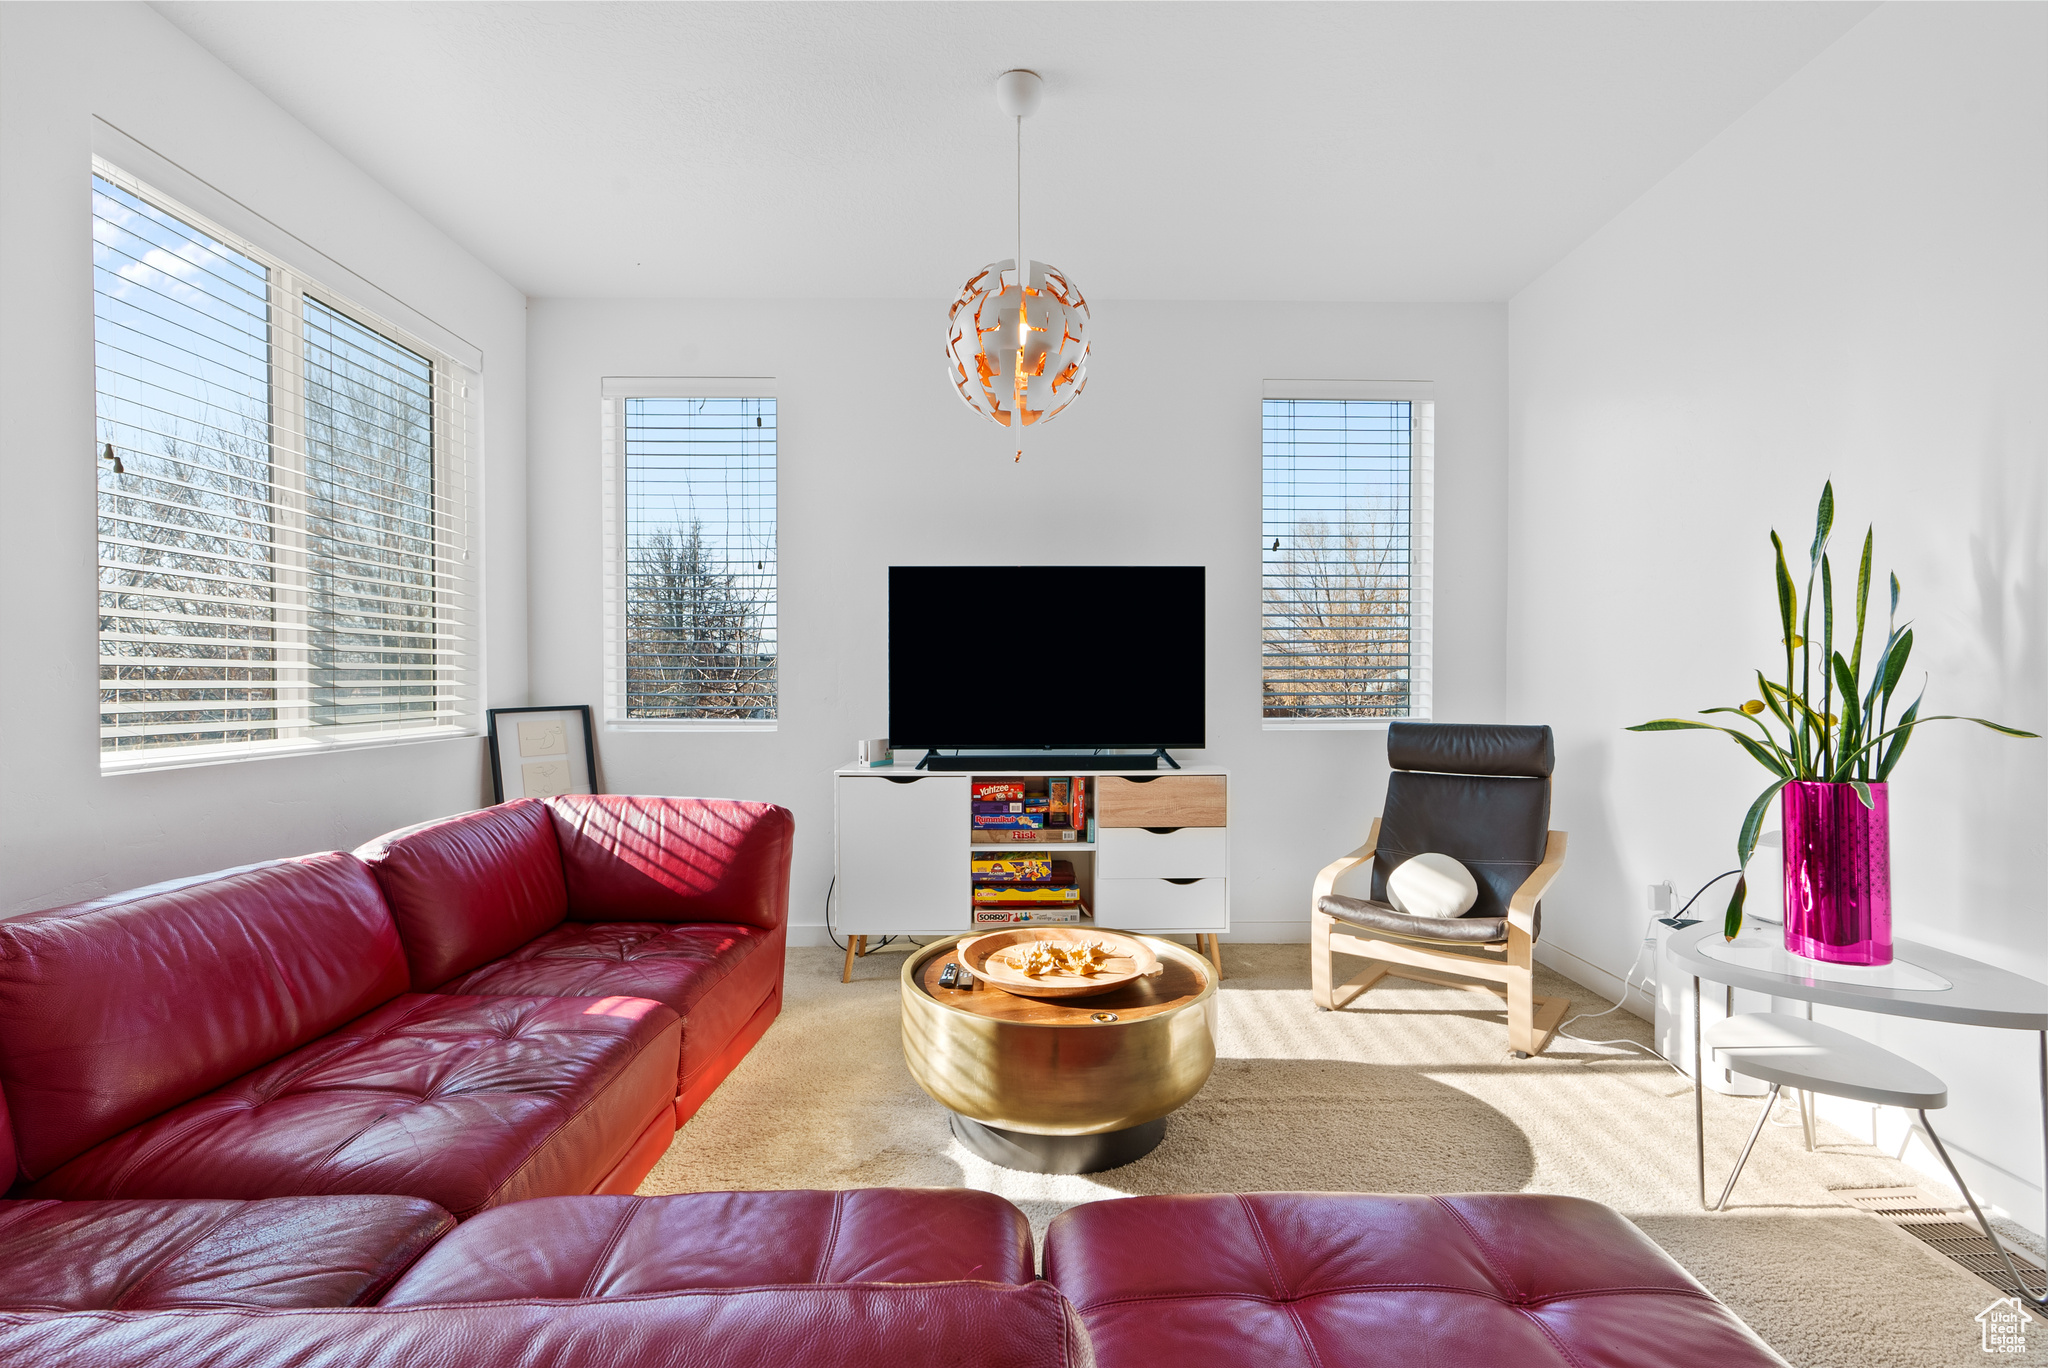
x: 903, y: 840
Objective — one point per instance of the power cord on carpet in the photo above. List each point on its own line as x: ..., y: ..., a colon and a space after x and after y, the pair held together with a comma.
x: 1676, y: 922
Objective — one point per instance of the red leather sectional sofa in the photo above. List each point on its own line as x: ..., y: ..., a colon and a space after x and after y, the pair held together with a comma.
x: 245, y: 1111
x: 518, y: 1002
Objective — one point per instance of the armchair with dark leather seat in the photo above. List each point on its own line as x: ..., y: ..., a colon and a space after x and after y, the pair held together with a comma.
x: 1481, y: 795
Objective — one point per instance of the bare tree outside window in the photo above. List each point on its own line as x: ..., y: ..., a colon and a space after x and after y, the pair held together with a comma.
x: 698, y: 617
x: 188, y: 582
x: 693, y: 633
x: 279, y: 561
x: 1335, y: 544
x: 370, y: 524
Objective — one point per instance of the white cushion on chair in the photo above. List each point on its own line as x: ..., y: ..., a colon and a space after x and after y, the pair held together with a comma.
x: 1431, y: 885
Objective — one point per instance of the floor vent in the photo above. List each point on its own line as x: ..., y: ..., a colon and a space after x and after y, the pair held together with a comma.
x: 1949, y: 1230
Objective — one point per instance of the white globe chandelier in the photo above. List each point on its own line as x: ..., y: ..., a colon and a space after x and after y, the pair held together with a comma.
x: 1017, y: 341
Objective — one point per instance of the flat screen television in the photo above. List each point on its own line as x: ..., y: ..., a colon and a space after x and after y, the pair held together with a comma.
x: 1046, y: 657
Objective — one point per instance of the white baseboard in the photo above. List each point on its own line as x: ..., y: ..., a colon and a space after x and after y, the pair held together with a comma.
x: 1639, y: 1003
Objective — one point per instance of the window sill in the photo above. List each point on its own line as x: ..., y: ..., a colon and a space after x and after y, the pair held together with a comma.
x: 1285, y: 724
x: 196, y: 757
x: 689, y: 724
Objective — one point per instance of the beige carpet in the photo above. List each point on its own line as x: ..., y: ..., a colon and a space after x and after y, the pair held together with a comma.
x: 1409, y: 1090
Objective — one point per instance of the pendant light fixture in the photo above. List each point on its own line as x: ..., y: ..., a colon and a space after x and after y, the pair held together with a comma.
x: 1016, y: 340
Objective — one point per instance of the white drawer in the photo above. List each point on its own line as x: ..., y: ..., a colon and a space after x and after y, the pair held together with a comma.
x: 1140, y: 853
x: 1162, y: 905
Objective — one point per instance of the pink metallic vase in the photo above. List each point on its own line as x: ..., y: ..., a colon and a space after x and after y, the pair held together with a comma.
x: 1838, y: 873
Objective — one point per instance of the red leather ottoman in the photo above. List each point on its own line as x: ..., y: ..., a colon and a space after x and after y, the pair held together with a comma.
x: 157, y: 1255
x: 1328, y: 1280
x: 571, y: 1247
x: 851, y: 1325
x: 468, y: 1102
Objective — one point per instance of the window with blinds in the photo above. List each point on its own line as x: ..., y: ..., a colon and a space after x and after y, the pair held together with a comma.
x: 1345, y: 559
x: 284, y: 504
x: 691, y: 527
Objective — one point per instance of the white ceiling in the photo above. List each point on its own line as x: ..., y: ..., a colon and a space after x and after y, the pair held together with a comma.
x: 1372, y: 151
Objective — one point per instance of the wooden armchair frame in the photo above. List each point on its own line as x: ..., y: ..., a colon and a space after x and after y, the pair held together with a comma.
x: 1507, y: 967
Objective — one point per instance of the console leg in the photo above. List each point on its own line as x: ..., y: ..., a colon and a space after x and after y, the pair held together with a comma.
x: 1211, y: 948
x: 855, y: 945
x: 1699, y: 1113
x: 2033, y: 1298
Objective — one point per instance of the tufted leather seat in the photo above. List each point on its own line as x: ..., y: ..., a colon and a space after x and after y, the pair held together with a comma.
x: 1345, y: 1281
x: 863, y: 1325
x: 621, y: 1246
x: 161, y: 1255
x: 468, y: 1102
x: 681, y: 900
x: 714, y: 975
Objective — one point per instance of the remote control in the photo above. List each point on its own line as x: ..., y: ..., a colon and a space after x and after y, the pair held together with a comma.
x: 949, y: 977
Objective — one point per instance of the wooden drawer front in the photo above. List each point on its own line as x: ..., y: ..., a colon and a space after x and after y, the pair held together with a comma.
x: 1192, y: 852
x: 1187, y: 800
x: 1157, y: 905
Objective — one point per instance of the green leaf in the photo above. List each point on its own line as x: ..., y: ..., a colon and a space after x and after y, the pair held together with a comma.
x: 1731, y: 923
x: 1800, y: 705
x: 1877, y: 674
x: 1844, y: 680
x: 1910, y: 721
x: 1824, y: 519
x: 1761, y: 756
x: 1863, y: 792
x: 1895, y: 594
x: 1827, y: 652
x: 1995, y: 726
x: 1862, y: 604
x: 1895, y: 664
x: 1788, y: 600
x: 1745, y: 844
x: 1775, y: 764
x: 1852, y: 720
x: 1766, y: 691
x: 1903, y: 734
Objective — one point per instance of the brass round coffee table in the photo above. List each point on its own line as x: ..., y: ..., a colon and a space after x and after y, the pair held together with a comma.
x: 1070, y: 1086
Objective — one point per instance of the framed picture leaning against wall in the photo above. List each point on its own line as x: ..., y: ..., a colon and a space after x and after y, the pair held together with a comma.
x: 540, y: 752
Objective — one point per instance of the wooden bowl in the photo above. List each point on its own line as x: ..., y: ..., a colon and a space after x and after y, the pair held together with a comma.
x: 1129, y: 958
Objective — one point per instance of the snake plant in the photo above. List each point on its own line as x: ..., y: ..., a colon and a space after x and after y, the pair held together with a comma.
x: 1840, y: 733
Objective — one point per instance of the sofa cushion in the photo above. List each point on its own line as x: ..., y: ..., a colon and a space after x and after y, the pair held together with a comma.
x: 619, y: 1246
x: 9, y: 1171
x: 115, y: 1010
x: 467, y: 1102
x: 469, y: 888
x: 918, y: 1325
x: 711, y: 974
x: 152, y: 1255
x: 1333, y: 1280
x: 1379, y: 916
x: 632, y: 859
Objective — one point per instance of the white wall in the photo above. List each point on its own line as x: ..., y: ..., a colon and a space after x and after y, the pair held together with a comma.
x: 880, y: 463
x: 1851, y: 281
x: 65, y: 832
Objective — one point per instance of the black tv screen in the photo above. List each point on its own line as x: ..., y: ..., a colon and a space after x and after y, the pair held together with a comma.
x: 1030, y: 657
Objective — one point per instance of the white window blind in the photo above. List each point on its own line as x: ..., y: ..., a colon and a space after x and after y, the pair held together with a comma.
x: 691, y: 593
x: 1345, y: 551
x: 285, y: 504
